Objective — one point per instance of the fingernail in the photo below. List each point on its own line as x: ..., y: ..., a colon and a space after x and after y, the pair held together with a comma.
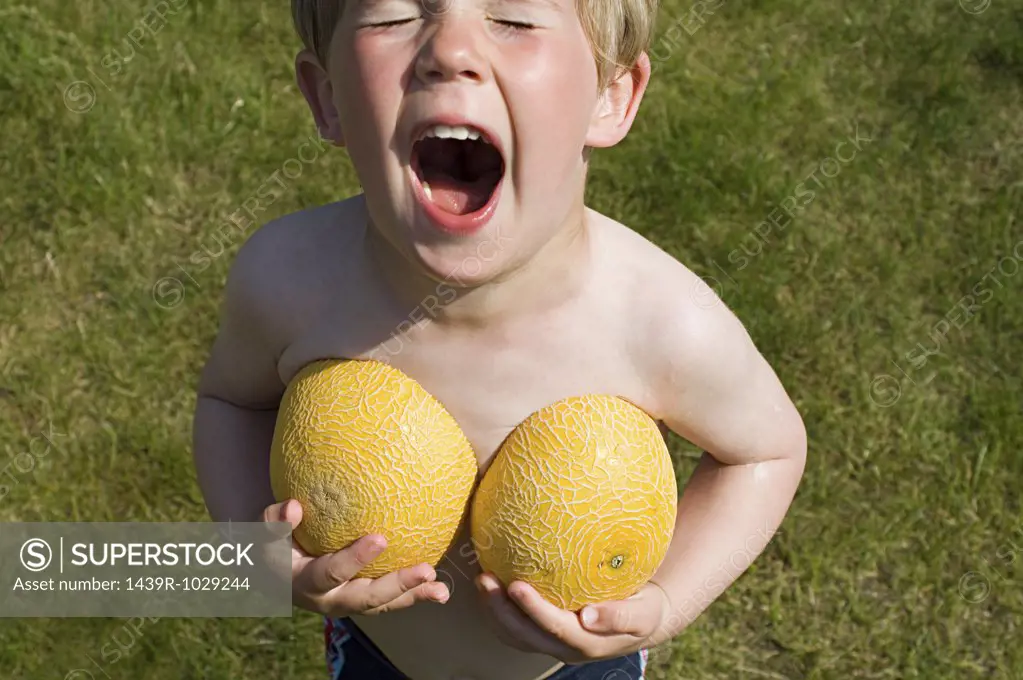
x: 372, y: 548
x: 442, y: 598
x: 589, y: 616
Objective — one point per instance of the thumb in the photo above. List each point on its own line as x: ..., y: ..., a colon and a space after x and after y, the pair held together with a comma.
x: 636, y: 616
x: 289, y: 511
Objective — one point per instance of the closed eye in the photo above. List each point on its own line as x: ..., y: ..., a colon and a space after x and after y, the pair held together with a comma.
x: 394, y: 22
x: 517, y: 25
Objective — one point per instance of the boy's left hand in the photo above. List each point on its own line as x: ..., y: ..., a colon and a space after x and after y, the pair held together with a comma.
x: 523, y: 619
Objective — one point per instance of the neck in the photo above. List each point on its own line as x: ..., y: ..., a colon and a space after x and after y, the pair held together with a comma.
x: 542, y: 282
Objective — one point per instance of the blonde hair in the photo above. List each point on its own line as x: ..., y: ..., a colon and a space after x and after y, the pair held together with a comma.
x: 618, y: 30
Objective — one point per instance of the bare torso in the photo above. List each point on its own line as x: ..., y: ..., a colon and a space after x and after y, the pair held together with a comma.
x: 490, y: 379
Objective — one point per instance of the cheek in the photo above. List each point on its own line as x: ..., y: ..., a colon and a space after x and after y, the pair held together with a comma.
x: 561, y: 71
x: 368, y: 105
x: 376, y: 58
x: 555, y: 86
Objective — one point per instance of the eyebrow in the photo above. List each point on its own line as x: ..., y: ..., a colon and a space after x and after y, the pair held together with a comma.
x: 555, y: 5
x: 552, y: 4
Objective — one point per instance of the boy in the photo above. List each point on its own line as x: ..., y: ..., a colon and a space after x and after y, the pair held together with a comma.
x: 470, y: 124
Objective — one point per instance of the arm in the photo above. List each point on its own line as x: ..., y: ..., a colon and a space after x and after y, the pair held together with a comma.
x: 710, y: 385
x: 238, y: 395
x: 720, y: 394
x: 236, y: 414
x: 232, y: 445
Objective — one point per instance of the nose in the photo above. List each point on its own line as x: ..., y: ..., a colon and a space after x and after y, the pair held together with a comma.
x: 452, y: 52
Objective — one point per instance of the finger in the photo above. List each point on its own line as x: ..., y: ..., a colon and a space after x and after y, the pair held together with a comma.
x: 389, y: 587
x: 282, y: 566
x: 638, y: 616
x: 286, y: 511
x: 559, y: 623
x: 325, y: 573
x: 289, y: 511
x: 501, y: 618
x: 433, y: 591
x: 512, y: 624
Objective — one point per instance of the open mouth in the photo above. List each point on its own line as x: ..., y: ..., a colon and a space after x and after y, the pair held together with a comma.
x: 458, y: 170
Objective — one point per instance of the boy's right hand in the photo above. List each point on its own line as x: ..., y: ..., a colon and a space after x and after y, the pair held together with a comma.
x: 326, y: 584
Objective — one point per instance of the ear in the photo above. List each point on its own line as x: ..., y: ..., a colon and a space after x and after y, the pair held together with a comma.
x: 618, y: 105
x: 314, y: 82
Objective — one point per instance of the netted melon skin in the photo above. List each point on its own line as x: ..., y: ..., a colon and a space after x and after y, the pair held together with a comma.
x: 579, y: 502
x: 365, y: 449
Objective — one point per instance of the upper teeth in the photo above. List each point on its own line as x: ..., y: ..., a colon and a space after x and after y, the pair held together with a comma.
x: 451, y: 132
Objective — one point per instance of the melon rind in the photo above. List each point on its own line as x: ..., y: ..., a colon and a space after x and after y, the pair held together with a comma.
x: 365, y: 449
x: 578, y: 484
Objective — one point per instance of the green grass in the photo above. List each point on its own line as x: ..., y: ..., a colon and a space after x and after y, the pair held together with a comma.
x: 899, y: 501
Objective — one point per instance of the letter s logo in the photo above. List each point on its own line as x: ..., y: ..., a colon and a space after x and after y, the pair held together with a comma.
x: 36, y: 554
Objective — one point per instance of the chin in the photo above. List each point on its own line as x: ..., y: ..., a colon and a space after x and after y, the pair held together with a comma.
x: 463, y: 264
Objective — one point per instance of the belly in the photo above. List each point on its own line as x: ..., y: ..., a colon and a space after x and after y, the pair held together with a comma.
x: 452, y: 641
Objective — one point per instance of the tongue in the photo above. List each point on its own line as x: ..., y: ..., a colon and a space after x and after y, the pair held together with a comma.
x: 451, y: 196
x: 460, y: 197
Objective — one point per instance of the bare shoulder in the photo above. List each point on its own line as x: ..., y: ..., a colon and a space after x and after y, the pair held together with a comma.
x: 705, y: 377
x: 279, y: 280
x: 288, y: 264
x: 666, y: 301
x: 298, y: 243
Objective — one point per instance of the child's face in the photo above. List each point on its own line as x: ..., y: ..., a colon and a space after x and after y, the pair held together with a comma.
x: 519, y: 72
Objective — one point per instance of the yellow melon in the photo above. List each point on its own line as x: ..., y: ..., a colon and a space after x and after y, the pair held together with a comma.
x: 579, y: 502
x: 365, y: 449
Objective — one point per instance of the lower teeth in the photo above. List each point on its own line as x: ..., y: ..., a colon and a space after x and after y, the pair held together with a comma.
x: 427, y: 191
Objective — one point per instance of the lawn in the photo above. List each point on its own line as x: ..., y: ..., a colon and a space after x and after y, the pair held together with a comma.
x: 889, y: 304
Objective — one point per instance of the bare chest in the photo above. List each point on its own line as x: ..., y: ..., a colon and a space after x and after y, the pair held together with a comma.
x: 491, y: 381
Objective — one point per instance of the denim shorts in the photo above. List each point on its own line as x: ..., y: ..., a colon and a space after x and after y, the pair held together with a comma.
x: 351, y: 655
